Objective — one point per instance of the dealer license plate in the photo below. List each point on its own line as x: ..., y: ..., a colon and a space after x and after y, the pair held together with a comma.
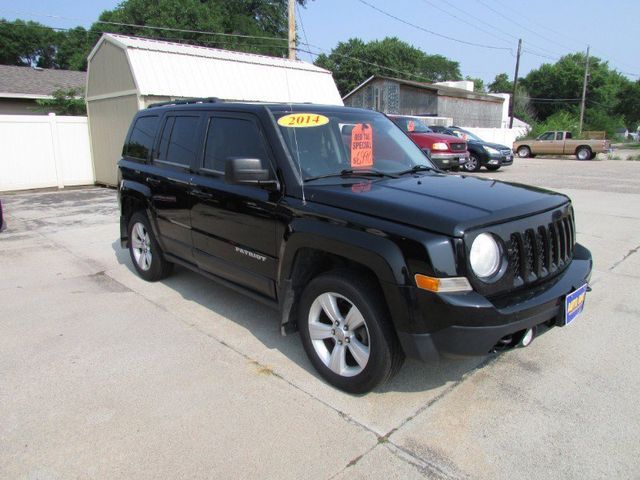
x: 574, y: 303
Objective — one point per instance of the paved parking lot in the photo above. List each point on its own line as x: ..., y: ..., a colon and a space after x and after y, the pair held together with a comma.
x: 105, y: 376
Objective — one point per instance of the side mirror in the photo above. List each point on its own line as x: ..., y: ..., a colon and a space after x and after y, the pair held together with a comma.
x: 247, y: 171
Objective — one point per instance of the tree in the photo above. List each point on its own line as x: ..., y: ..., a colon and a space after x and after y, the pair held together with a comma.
x: 73, y: 47
x: 478, y: 84
x: 629, y: 104
x: 558, y: 86
x: 64, y: 102
x: 501, y: 84
x: 354, y: 61
x: 257, y: 18
x: 26, y: 44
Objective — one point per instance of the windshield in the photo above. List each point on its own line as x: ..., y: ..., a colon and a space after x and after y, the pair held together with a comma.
x: 333, y: 141
x: 411, y: 125
x: 466, y: 135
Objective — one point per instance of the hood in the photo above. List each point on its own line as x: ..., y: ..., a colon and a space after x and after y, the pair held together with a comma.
x: 436, y: 136
x: 497, y: 146
x: 448, y: 204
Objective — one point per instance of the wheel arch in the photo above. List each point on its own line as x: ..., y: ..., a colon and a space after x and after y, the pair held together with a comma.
x: 314, y: 249
x: 133, y: 197
x: 588, y: 147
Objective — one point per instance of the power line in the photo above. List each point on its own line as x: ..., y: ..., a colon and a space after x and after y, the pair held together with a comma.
x: 556, y: 32
x: 304, y: 32
x: 463, y: 20
x: 167, y: 39
x: 473, y: 44
x: 151, y: 27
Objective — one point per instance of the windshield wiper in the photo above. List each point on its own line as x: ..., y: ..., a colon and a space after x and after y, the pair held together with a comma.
x: 418, y: 168
x: 354, y: 172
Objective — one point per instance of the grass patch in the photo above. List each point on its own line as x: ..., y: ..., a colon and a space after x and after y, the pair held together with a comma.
x: 611, y: 156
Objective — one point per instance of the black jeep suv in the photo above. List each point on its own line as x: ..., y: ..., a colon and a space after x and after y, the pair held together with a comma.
x: 336, y: 218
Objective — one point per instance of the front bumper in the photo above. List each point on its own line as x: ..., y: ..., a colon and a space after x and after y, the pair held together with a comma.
x: 449, y: 160
x: 501, y: 160
x: 468, y: 324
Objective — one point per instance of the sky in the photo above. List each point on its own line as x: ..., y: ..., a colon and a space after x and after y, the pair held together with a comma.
x: 548, y: 28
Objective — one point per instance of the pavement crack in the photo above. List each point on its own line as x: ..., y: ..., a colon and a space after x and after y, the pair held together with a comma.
x: 627, y: 255
x: 440, y: 396
x: 428, y: 468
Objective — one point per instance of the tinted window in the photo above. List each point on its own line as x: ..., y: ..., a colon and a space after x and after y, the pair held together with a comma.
x: 229, y: 138
x: 141, y: 140
x: 178, y: 143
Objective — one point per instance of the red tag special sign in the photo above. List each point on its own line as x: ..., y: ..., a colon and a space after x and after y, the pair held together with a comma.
x: 362, y: 146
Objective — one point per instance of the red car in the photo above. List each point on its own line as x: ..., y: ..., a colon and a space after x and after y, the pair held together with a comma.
x: 446, y: 151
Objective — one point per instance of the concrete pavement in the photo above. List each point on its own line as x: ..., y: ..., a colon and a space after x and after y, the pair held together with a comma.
x: 103, y: 375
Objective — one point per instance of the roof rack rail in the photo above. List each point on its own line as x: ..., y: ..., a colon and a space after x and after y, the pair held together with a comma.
x: 186, y: 101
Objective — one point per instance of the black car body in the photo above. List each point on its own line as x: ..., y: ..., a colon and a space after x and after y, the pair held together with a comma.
x: 492, y: 156
x: 246, y: 198
x: 3, y: 225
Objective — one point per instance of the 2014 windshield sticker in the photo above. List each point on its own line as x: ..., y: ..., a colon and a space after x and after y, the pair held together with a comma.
x: 302, y: 120
x: 362, y: 146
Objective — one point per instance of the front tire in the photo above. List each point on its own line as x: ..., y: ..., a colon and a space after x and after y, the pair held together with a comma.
x: 145, y: 251
x: 524, y: 152
x: 493, y: 168
x: 346, y: 331
x: 473, y: 163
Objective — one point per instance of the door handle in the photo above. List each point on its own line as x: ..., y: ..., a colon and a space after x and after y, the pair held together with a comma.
x: 196, y: 192
x: 152, y: 181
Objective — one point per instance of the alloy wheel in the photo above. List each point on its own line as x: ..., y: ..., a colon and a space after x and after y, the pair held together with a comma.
x: 141, y: 246
x: 339, y: 334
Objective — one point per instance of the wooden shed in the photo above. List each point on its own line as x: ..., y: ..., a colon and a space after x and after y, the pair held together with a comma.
x: 126, y: 74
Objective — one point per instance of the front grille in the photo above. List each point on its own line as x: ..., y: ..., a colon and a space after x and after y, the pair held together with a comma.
x: 506, y: 152
x: 458, y: 147
x: 541, y: 251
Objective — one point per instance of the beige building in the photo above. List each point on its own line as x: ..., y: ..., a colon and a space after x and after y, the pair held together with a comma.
x: 126, y: 74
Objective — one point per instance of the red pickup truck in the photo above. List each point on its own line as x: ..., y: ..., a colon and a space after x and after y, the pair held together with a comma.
x: 447, y: 151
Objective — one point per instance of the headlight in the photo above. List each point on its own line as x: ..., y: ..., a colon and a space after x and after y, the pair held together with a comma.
x: 485, y: 256
x: 490, y: 150
x: 440, y: 146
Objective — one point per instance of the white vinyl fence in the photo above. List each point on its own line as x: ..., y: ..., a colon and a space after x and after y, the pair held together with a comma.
x: 38, y: 151
x: 503, y: 136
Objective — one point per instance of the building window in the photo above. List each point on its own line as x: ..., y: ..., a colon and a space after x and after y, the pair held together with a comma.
x: 376, y: 99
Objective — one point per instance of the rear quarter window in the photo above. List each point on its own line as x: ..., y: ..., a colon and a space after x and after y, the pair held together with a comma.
x: 140, y: 142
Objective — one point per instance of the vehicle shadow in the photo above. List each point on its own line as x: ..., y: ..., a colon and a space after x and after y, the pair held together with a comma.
x: 263, y: 323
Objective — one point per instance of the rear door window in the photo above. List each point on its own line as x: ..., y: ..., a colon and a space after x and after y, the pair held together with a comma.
x: 140, y: 141
x: 179, y: 141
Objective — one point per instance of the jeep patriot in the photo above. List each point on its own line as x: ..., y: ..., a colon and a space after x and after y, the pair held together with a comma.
x: 333, y: 216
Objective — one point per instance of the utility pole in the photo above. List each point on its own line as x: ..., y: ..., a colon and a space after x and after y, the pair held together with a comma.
x: 584, y: 90
x: 292, y: 29
x: 515, y: 83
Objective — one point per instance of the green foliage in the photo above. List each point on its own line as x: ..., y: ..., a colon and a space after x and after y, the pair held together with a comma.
x: 629, y: 104
x: 501, y: 84
x: 64, y: 102
x: 563, y: 120
x: 564, y: 79
x: 266, y: 18
x: 478, y: 84
x: 400, y: 58
x: 33, y: 44
x: 26, y: 44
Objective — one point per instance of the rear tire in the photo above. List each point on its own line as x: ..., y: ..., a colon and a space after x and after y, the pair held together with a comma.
x: 593, y: 156
x: 346, y: 331
x: 146, y: 254
x: 583, y: 153
x: 524, y: 152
